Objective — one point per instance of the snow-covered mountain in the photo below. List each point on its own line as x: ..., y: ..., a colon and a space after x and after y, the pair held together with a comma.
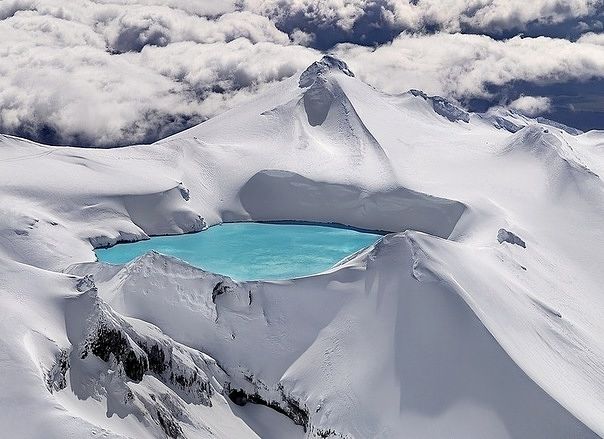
x: 480, y: 315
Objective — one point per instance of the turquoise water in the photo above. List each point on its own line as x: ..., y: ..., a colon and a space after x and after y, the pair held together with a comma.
x: 252, y: 251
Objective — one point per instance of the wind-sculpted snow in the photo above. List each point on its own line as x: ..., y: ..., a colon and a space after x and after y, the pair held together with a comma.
x: 389, y: 210
x: 317, y: 101
x: 377, y: 323
x: 554, y: 152
x: 479, y: 317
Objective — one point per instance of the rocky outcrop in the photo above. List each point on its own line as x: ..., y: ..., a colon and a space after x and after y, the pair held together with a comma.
x: 132, y: 350
x: 286, y: 405
x: 56, y: 377
x: 184, y: 370
x: 219, y: 289
x: 443, y: 107
x: 509, y: 237
x: 106, y: 341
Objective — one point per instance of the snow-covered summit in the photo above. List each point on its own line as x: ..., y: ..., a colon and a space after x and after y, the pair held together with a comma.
x: 319, y: 68
x: 323, y: 90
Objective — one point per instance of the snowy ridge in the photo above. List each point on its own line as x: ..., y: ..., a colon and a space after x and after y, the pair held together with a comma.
x: 448, y: 326
x: 383, y: 314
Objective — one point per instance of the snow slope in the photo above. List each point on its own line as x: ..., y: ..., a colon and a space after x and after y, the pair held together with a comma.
x: 480, y: 316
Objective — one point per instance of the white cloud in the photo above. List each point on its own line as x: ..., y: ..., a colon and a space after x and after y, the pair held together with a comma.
x: 531, y: 105
x: 592, y: 38
x: 112, y: 74
x: 485, y: 15
x: 302, y: 38
x: 342, y: 13
x: 461, y: 66
x: 121, y: 71
x: 137, y: 27
x: 448, y: 15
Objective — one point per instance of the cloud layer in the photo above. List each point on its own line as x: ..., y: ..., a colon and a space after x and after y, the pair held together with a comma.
x: 128, y: 71
x: 464, y: 66
x: 531, y: 105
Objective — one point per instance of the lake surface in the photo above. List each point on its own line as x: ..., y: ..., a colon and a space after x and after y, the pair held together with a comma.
x: 253, y: 251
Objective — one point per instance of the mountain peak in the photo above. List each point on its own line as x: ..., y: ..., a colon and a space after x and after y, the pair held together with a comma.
x: 318, y: 68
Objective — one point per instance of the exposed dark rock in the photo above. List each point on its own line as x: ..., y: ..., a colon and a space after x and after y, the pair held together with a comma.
x: 219, y: 288
x: 187, y: 381
x: 318, y: 68
x: 182, y: 380
x: 156, y: 357
x: 325, y: 433
x: 85, y: 283
x: 443, y: 107
x: 133, y: 350
x: 239, y: 397
x: 128, y: 397
x: 169, y: 424
x: 502, y: 122
x: 288, y: 407
x: 135, y: 366
x: 506, y: 236
x: 295, y: 412
x: 184, y: 192
x: 56, y: 377
x: 113, y: 341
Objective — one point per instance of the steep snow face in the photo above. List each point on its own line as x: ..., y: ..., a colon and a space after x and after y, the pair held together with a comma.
x: 453, y: 328
x: 416, y: 356
x: 73, y: 367
x: 315, y: 202
x: 322, y: 92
